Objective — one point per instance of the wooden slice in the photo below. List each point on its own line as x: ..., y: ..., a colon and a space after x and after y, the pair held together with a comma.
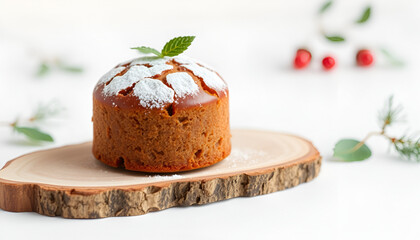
x: 69, y: 182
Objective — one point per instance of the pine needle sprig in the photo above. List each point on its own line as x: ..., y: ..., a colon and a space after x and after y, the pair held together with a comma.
x: 27, y: 128
x: 408, y: 148
x: 44, y: 111
x: 390, y: 114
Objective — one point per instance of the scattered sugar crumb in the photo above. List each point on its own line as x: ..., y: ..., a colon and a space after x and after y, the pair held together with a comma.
x: 166, y: 177
x: 249, y: 156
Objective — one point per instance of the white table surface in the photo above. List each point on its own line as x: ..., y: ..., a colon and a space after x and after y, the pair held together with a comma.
x: 251, y: 44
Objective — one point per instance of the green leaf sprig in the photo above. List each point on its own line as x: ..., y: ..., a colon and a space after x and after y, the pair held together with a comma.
x: 45, y: 67
x: 172, y: 48
x: 408, y: 147
x: 391, y: 58
x: 365, y: 16
x: 325, y: 6
x: 336, y: 38
x: 34, y: 133
x: 351, y: 150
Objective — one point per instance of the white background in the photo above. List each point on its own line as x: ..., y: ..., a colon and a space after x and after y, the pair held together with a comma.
x: 251, y: 44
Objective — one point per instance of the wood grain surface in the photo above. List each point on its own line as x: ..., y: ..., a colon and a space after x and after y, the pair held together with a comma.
x: 69, y: 182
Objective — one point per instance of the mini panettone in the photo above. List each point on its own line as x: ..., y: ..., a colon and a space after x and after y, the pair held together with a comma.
x: 161, y: 114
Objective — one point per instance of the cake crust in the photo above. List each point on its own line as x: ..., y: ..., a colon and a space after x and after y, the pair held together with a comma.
x: 188, y: 133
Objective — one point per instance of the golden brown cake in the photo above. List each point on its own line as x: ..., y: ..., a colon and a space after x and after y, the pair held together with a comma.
x: 161, y: 115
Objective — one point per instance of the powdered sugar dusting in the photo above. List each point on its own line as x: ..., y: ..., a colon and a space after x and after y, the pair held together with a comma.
x: 166, y: 177
x: 133, y: 75
x: 110, y: 74
x: 151, y: 61
x: 182, y: 83
x: 210, y: 78
x: 126, y: 62
x: 188, y: 60
x: 238, y: 156
x: 141, y: 72
x: 159, y: 69
x: 153, y: 93
x: 184, y: 60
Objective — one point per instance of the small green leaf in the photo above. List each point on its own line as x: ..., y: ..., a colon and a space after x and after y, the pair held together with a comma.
x: 350, y: 150
x: 335, y: 38
x: 365, y: 16
x: 393, y: 60
x: 33, y: 134
x: 147, y: 50
x: 325, y: 6
x: 43, y: 69
x: 177, y: 46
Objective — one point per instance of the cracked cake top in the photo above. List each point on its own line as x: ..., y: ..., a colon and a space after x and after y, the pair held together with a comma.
x: 156, y: 83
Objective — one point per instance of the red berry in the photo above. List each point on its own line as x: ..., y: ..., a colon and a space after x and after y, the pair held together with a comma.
x: 328, y: 62
x: 302, y: 59
x: 364, y: 58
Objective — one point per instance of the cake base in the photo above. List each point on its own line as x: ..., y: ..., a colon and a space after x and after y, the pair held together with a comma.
x: 69, y: 182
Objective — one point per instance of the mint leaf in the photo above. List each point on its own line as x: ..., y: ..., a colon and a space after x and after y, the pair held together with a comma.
x: 177, y: 46
x: 335, y: 38
x: 365, y: 16
x: 325, y: 6
x: 147, y: 50
x: 33, y: 134
x: 43, y: 69
x: 350, y: 150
